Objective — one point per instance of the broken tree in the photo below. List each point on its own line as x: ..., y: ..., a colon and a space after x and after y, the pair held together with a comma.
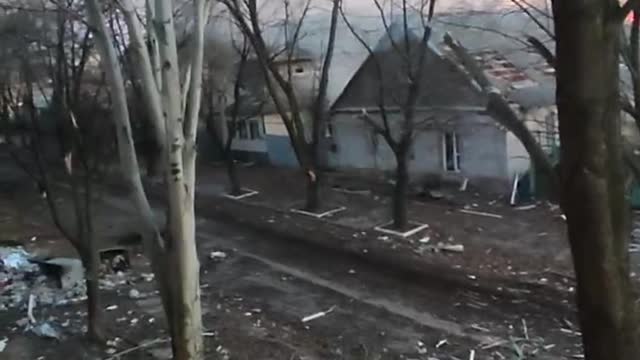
x: 306, y: 137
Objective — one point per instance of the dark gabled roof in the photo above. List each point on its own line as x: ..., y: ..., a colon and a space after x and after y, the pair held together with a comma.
x: 442, y: 83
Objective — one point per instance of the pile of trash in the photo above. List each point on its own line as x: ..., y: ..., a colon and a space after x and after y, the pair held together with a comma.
x: 54, y: 281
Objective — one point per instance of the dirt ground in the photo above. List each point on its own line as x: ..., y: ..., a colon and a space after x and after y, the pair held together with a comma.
x: 526, y: 243
x: 255, y: 298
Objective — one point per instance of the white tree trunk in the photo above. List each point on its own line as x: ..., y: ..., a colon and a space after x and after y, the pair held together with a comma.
x: 174, y: 262
x: 187, y: 319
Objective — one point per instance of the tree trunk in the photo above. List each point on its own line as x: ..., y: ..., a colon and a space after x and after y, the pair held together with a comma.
x: 232, y: 173
x: 592, y: 167
x: 313, y: 191
x: 91, y: 264
x: 401, y: 192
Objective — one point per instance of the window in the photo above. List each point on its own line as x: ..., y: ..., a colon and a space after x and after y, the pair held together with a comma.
x: 451, y: 151
x: 242, y: 129
x: 254, y: 130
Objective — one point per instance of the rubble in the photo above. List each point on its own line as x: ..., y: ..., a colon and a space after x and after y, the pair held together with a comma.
x: 3, y: 344
x: 318, y: 315
x: 46, y: 330
x: 217, y: 255
x: 51, y: 281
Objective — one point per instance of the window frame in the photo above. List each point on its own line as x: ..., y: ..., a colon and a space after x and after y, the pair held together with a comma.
x: 456, y: 153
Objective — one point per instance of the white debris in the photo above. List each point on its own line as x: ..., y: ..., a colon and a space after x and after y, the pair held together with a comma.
x: 451, y: 247
x: 318, y: 315
x: 472, y: 355
x: 14, y: 258
x: 111, y: 307
x: 526, y: 207
x: 217, y: 255
x: 421, y: 347
x: 30, y: 307
x: 441, y: 343
x: 134, y: 294
x: 424, y: 240
x: 3, y: 344
x: 480, y: 213
x: 45, y: 330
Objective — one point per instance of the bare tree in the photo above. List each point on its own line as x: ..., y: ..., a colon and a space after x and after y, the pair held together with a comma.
x: 399, y: 134
x: 173, y: 107
x: 306, y: 138
x: 62, y: 60
x: 222, y: 125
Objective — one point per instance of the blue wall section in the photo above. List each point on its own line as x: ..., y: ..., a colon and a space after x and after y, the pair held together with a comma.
x: 280, y: 151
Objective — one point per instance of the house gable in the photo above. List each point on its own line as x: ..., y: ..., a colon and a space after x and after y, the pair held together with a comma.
x: 443, y: 84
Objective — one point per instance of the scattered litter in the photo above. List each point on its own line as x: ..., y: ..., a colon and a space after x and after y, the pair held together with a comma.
x: 115, y: 259
x: 563, y: 217
x: 31, y: 305
x: 472, y: 277
x: 480, y: 213
x: 217, y: 255
x: 441, y: 343
x: 110, y: 351
x: 479, y: 328
x: 633, y: 248
x: 3, y: 344
x: 46, y: 330
x: 526, y: 207
x: 135, y: 348
x: 318, y: 315
x: 472, y: 355
x: 421, y: 348
x: 424, y: 240
x: 14, y: 258
x: 134, y: 294
x: 111, y: 307
x: 148, y: 277
x: 451, y: 247
x: 525, y: 330
x: 465, y: 183
x: 494, y: 344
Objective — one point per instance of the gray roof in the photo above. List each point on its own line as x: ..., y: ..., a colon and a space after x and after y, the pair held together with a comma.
x: 477, y: 31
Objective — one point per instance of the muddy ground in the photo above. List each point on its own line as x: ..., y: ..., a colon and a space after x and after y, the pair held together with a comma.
x: 255, y: 298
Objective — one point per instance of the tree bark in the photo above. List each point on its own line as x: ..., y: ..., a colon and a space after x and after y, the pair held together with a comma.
x: 232, y: 173
x: 592, y: 166
x: 401, y: 191
x: 313, y: 190
x: 91, y: 264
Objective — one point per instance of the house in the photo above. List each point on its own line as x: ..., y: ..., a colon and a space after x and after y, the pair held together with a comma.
x: 460, y: 140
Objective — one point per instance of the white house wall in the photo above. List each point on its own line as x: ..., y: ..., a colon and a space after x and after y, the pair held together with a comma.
x: 483, y: 149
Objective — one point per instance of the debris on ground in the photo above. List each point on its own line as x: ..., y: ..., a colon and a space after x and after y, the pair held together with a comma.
x: 51, y: 281
x: 318, y: 315
x: 134, y: 294
x: 526, y: 207
x: 441, y: 343
x: 3, y: 344
x: 218, y: 255
x: 46, y: 330
x: 421, y: 348
x: 458, y: 248
x: 115, y: 259
x: 480, y: 213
